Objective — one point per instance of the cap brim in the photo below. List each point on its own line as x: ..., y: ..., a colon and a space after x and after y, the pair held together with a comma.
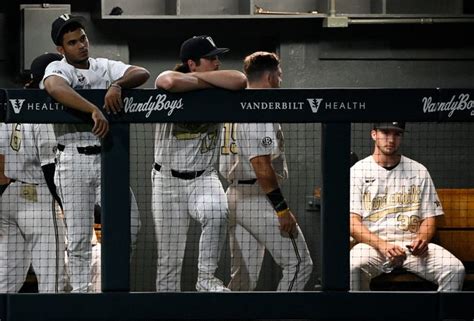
x: 80, y: 20
x: 391, y: 128
x: 216, y: 52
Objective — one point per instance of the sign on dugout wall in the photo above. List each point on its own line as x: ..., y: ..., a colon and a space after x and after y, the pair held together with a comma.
x: 282, y: 105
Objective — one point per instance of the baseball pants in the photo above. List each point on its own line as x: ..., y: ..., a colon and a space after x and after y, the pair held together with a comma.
x: 31, y: 233
x: 438, y: 266
x: 254, y: 227
x: 174, y: 202
x: 78, y: 178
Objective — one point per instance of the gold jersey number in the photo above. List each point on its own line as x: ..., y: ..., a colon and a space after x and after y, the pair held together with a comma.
x: 408, y: 223
x: 229, y: 145
x: 15, y: 139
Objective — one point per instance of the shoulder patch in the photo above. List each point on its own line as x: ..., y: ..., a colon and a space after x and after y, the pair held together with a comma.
x: 267, y: 141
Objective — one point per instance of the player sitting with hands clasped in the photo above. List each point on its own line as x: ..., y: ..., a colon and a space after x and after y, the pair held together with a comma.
x: 393, y: 207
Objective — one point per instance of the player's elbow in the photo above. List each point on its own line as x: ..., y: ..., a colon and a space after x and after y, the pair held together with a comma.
x: 240, y: 81
x: 141, y: 74
x: 165, y: 81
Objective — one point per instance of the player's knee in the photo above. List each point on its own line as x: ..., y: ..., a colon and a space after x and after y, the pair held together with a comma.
x: 215, y: 215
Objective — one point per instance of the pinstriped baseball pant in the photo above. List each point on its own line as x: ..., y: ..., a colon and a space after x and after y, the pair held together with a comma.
x: 254, y: 226
x: 438, y: 266
x: 174, y: 202
x: 31, y: 233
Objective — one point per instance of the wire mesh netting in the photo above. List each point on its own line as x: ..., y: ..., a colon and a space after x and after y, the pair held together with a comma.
x: 410, y: 198
x: 212, y: 208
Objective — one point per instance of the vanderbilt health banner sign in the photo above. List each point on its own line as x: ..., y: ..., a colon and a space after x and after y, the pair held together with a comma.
x: 276, y: 105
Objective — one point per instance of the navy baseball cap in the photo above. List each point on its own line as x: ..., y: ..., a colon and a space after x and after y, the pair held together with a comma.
x: 60, y: 23
x: 199, y: 47
x: 394, y: 125
x: 39, y: 64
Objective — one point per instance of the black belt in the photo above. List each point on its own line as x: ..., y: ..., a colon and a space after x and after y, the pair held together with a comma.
x: 14, y: 181
x: 247, y: 181
x: 182, y: 175
x: 86, y: 150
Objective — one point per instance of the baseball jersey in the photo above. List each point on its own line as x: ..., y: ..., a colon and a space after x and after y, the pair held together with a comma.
x: 244, y: 141
x: 27, y: 147
x: 101, y: 73
x: 393, y: 203
x: 187, y: 146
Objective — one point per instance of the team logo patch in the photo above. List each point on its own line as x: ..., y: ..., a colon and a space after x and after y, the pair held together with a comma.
x: 17, y: 104
x: 267, y: 141
x: 80, y: 78
x: 59, y: 72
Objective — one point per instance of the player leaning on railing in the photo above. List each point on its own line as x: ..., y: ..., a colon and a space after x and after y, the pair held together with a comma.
x: 185, y: 183
x: 78, y: 170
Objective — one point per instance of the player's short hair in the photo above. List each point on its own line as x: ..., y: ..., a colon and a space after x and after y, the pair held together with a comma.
x: 258, y: 63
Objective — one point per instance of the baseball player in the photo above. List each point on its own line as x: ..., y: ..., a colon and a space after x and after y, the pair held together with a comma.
x: 253, y: 161
x: 32, y: 233
x: 185, y: 183
x: 393, y: 207
x: 78, y: 159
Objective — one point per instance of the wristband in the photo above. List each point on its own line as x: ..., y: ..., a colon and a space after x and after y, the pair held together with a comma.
x: 277, y: 200
x: 115, y: 85
x: 283, y: 212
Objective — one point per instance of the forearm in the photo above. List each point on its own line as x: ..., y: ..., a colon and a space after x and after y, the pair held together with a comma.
x: 226, y: 79
x: 362, y: 234
x: 176, y: 82
x: 427, y: 229
x: 265, y: 173
x: 69, y: 98
x: 133, y: 77
x: 3, y: 179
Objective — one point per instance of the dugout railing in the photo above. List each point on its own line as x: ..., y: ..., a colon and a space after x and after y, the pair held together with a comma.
x: 336, y: 109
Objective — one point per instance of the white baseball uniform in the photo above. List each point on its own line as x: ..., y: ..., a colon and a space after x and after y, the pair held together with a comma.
x: 392, y: 204
x: 254, y: 224
x: 186, y: 185
x: 78, y: 173
x: 30, y: 230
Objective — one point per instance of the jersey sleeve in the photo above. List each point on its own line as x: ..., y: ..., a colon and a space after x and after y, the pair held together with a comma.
x: 356, y: 191
x: 116, y: 69
x: 45, y: 143
x: 430, y: 206
x: 3, y: 138
x: 57, y: 68
x: 257, y: 140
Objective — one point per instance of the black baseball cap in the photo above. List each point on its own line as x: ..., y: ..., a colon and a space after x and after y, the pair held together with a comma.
x: 394, y: 125
x: 199, y: 47
x: 60, y: 23
x: 39, y: 64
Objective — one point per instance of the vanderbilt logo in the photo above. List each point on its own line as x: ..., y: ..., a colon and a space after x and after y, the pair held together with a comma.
x: 17, y: 104
x: 314, y: 103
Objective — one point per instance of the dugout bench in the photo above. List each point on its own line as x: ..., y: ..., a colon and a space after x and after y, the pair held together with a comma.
x: 455, y: 232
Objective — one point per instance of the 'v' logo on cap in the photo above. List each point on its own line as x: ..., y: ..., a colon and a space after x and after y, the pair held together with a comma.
x: 65, y: 17
x: 211, y: 41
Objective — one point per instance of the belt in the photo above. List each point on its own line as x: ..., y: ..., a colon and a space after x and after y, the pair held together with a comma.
x: 15, y: 181
x: 181, y: 175
x: 86, y: 150
x: 247, y: 181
